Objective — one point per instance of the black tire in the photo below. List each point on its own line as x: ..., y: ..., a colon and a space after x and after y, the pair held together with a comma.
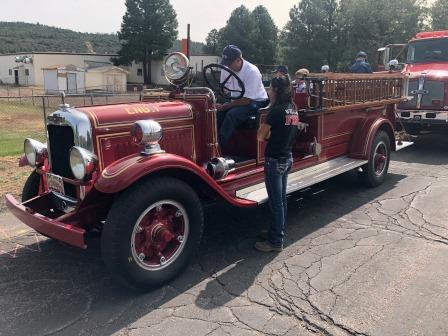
x: 124, y: 218
x: 31, y: 187
x: 373, y: 174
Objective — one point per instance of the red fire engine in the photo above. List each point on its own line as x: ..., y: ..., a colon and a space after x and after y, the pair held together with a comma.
x: 140, y: 172
x: 425, y: 60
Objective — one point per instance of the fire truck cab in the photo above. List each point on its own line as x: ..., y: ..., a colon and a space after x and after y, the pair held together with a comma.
x: 425, y: 60
x: 140, y: 172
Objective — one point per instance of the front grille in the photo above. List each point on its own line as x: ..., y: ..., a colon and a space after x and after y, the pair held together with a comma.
x: 433, y: 100
x: 61, y: 139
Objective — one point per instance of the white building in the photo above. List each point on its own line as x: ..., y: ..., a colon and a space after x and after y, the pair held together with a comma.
x: 27, y: 68
x: 31, y: 73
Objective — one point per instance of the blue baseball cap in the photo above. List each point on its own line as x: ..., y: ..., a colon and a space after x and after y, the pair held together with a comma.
x: 361, y: 54
x: 230, y: 54
x: 282, y: 69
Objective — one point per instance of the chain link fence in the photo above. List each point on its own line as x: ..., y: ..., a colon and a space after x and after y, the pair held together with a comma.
x: 22, y: 116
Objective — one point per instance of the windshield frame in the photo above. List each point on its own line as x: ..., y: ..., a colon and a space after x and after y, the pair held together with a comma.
x: 411, y: 53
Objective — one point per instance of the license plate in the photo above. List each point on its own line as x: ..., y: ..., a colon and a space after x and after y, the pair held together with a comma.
x: 417, y: 117
x: 55, y: 183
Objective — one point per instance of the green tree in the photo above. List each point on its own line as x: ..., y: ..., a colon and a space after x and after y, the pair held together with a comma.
x: 265, y: 33
x: 439, y: 15
x: 310, y: 36
x: 239, y: 31
x: 369, y: 25
x: 148, y: 30
x: 212, y: 42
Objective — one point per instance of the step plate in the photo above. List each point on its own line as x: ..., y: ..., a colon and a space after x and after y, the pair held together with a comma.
x: 303, y: 178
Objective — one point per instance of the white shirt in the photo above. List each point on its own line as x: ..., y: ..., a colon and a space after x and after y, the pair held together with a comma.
x: 251, y: 77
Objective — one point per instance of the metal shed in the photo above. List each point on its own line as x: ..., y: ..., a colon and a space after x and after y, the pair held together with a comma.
x: 64, y: 78
x: 107, y: 78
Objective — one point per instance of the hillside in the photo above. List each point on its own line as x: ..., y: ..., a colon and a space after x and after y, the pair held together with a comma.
x: 27, y: 37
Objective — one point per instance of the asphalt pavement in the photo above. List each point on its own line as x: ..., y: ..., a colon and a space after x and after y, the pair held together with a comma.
x: 357, y: 261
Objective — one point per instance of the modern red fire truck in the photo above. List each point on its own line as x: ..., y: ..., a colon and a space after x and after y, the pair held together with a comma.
x: 141, y: 172
x: 425, y: 60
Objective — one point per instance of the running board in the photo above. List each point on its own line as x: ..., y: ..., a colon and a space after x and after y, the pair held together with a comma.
x: 303, y: 178
x: 399, y: 145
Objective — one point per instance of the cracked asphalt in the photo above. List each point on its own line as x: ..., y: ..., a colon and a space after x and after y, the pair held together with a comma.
x: 357, y: 261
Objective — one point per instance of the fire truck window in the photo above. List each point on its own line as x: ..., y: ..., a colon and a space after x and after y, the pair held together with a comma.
x: 430, y: 50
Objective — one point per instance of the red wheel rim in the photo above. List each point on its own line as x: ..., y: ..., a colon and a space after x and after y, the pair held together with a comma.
x: 380, y: 158
x: 159, y: 235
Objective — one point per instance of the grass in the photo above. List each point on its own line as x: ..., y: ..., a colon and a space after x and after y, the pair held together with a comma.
x: 17, y: 122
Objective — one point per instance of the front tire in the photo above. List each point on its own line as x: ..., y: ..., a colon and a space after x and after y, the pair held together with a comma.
x: 152, y: 232
x: 375, y: 171
x: 31, y: 187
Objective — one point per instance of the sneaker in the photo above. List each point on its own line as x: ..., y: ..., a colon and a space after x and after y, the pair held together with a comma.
x: 266, y: 246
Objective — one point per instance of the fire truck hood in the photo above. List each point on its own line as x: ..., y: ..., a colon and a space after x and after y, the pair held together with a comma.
x: 114, y: 115
x: 435, y: 70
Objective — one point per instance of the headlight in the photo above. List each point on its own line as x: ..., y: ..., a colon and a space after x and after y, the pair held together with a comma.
x: 176, y: 68
x: 82, y: 162
x: 35, y: 152
x: 148, y: 133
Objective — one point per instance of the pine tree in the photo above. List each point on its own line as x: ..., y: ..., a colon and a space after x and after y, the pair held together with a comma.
x: 239, y: 31
x: 212, y: 43
x: 148, y: 30
x: 265, y: 34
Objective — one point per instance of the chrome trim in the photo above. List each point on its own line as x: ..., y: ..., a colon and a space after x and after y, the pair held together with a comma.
x: 201, y: 90
x: 420, y: 92
x: 78, y: 121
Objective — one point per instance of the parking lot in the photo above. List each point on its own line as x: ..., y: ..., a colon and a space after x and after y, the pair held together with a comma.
x: 357, y: 262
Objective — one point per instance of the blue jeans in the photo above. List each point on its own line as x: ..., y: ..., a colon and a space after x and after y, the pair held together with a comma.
x: 276, y: 177
x: 229, y: 120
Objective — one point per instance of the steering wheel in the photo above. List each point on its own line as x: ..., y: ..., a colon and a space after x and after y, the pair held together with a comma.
x: 214, y: 83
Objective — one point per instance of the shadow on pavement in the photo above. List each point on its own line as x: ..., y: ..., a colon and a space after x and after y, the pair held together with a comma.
x: 431, y: 149
x: 47, y: 287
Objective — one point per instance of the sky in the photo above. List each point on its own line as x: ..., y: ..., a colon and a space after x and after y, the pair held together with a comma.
x: 104, y: 16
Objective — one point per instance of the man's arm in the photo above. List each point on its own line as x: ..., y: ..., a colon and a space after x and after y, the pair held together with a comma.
x: 237, y: 102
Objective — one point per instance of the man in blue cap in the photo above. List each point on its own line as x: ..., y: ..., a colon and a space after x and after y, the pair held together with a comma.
x: 236, y: 112
x: 361, y: 65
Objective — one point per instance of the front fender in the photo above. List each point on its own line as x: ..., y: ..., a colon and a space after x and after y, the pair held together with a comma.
x: 121, y: 174
x: 363, y: 138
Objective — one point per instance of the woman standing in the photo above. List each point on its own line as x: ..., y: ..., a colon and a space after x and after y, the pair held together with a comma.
x: 279, y: 131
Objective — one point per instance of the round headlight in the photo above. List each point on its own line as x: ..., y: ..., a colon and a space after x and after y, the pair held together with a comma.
x: 35, y: 152
x: 176, y: 67
x: 82, y: 162
x: 146, y: 132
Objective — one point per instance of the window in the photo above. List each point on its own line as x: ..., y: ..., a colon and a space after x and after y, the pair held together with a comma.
x: 139, y: 72
x: 10, y: 72
x: 27, y: 72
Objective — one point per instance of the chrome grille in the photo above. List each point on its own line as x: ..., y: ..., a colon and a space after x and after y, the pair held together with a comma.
x: 433, y: 91
x: 61, y: 139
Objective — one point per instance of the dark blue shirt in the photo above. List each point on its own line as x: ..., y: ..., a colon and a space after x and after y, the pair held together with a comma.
x: 361, y: 67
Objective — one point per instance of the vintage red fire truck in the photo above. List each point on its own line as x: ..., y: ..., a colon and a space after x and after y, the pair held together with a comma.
x: 141, y: 172
x: 425, y: 60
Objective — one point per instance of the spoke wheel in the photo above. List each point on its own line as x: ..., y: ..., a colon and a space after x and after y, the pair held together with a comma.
x: 151, y: 232
x: 159, y: 235
x: 375, y: 171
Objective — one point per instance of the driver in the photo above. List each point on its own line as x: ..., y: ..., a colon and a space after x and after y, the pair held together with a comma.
x: 236, y: 112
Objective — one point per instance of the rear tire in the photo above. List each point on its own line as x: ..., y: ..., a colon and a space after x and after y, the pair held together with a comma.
x: 374, y: 172
x: 152, y: 232
x: 31, y: 187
